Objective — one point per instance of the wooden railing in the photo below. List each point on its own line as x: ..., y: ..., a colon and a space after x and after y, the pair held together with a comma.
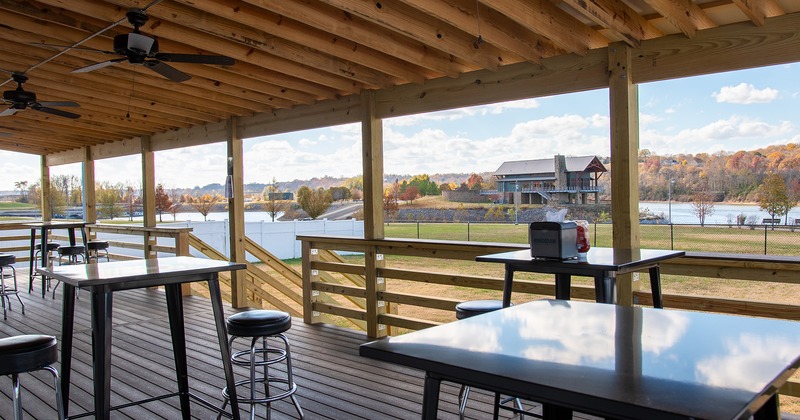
x: 377, y: 306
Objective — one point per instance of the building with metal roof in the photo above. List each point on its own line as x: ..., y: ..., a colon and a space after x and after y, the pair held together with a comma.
x: 560, y: 180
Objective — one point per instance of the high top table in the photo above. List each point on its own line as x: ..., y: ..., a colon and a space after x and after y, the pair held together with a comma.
x: 102, y: 280
x: 607, y: 360
x: 603, y: 264
x: 45, y: 228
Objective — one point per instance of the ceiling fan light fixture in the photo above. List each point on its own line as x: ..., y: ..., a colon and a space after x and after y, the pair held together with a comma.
x: 135, y: 42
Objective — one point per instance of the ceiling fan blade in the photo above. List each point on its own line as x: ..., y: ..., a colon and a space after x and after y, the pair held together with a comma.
x: 167, y: 71
x: 55, y: 111
x: 58, y: 103
x: 9, y: 111
x: 196, y: 59
x: 99, y: 65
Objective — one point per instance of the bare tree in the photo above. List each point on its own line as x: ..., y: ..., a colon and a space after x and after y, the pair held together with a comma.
x: 703, y: 205
x: 205, y: 203
x: 273, y: 202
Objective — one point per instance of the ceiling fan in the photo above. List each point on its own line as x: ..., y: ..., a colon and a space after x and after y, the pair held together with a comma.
x: 141, y: 49
x: 20, y: 99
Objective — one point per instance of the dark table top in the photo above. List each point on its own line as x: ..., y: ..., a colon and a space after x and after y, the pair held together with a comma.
x: 139, y: 273
x: 57, y: 225
x: 608, y: 359
x: 605, y: 259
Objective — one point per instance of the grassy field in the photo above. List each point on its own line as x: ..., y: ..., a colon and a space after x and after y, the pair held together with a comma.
x: 710, y: 238
x: 691, y: 238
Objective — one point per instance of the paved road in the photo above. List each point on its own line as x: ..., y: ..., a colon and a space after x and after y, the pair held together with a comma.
x: 343, y: 211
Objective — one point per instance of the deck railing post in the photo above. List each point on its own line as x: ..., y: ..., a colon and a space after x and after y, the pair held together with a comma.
x: 310, y: 254
x: 375, y: 283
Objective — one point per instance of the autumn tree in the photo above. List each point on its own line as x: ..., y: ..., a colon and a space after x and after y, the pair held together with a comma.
x: 109, y: 199
x: 356, y: 194
x: 272, y: 202
x: 390, y: 204
x: 474, y: 182
x: 773, y: 196
x: 163, y: 201
x: 339, y: 193
x: 409, y: 194
x: 495, y: 214
x: 314, y: 202
x: 703, y: 205
x: 204, y: 203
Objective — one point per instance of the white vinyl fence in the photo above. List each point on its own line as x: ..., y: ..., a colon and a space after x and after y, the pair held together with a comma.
x: 276, y: 237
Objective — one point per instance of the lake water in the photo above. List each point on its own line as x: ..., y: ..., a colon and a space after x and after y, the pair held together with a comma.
x: 682, y: 213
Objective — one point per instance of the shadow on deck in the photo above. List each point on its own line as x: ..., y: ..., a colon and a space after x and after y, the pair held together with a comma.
x: 334, y: 382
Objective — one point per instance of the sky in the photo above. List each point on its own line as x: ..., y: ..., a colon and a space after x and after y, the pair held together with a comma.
x: 733, y: 111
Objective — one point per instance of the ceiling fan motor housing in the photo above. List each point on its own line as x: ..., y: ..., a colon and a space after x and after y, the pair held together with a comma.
x: 19, y: 98
x: 135, y: 44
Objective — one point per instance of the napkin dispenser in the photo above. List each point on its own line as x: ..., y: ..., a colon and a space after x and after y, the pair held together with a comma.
x: 554, y: 240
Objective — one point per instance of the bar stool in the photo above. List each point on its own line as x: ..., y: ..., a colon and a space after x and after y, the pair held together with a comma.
x: 28, y: 353
x: 262, y: 324
x: 75, y: 254
x: 72, y: 253
x: 472, y: 308
x: 96, y: 248
x: 52, y: 251
x: 7, y: 262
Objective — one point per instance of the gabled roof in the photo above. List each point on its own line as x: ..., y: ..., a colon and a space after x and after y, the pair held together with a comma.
x: 547, y: 166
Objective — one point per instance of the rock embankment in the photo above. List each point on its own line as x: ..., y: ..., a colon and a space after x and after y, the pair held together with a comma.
x: 591, y: 213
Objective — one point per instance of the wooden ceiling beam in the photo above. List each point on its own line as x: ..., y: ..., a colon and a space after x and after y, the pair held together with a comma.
x: 617, y: 17
x: 110, y: 88
x: 490, y: 26
x: 393, y: 15
x: 190, y: 37
x: 759, y: 10
x: 344, y: 25
x: 687, y: 16
x: 190, y: 94
x: 545, y: 18
x: 82, y: 133
x: 232, y: 26
x: 299, y: 36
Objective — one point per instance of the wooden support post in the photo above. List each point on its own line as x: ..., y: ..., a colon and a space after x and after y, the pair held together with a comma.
x: 624, y: 112
x: 310, y: 296
x: 89, y: 196
x: 148, y: 196
x: 235, y: 165
x: 372, y: 162
x: 47, y: 214
x: 373, y: 262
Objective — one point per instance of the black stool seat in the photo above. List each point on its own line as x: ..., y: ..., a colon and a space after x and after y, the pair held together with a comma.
x: 95, y: 245
x: 477, y: 307
x: 71, y: 250
x: 7, y: 259
x: 259, y: 323
x: 51, y: 246
x: 29, y: 353
x: 25, y: 353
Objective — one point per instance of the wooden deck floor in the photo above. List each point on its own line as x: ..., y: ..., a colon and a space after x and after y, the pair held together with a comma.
x: 334, y: 381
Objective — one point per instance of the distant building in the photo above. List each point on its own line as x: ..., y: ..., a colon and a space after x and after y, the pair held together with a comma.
x: 560, y: 180
x: 280, y: 196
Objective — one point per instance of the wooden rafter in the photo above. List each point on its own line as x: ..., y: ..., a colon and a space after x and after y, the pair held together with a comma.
x: 758, y: 10
x: 684, y: 14
x: 617, y: 17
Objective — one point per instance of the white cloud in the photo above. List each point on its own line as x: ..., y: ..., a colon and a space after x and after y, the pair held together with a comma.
x: 745, y: 93
x: 734, y: 133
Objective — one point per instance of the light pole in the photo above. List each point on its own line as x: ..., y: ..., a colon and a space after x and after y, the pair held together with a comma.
x: 669, y: 197
x: 516, y: 202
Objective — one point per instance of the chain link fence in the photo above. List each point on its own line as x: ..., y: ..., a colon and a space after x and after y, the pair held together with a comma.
x: 748, y: 239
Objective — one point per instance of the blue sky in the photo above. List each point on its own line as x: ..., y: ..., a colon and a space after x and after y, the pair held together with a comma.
x: 733, y: 111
